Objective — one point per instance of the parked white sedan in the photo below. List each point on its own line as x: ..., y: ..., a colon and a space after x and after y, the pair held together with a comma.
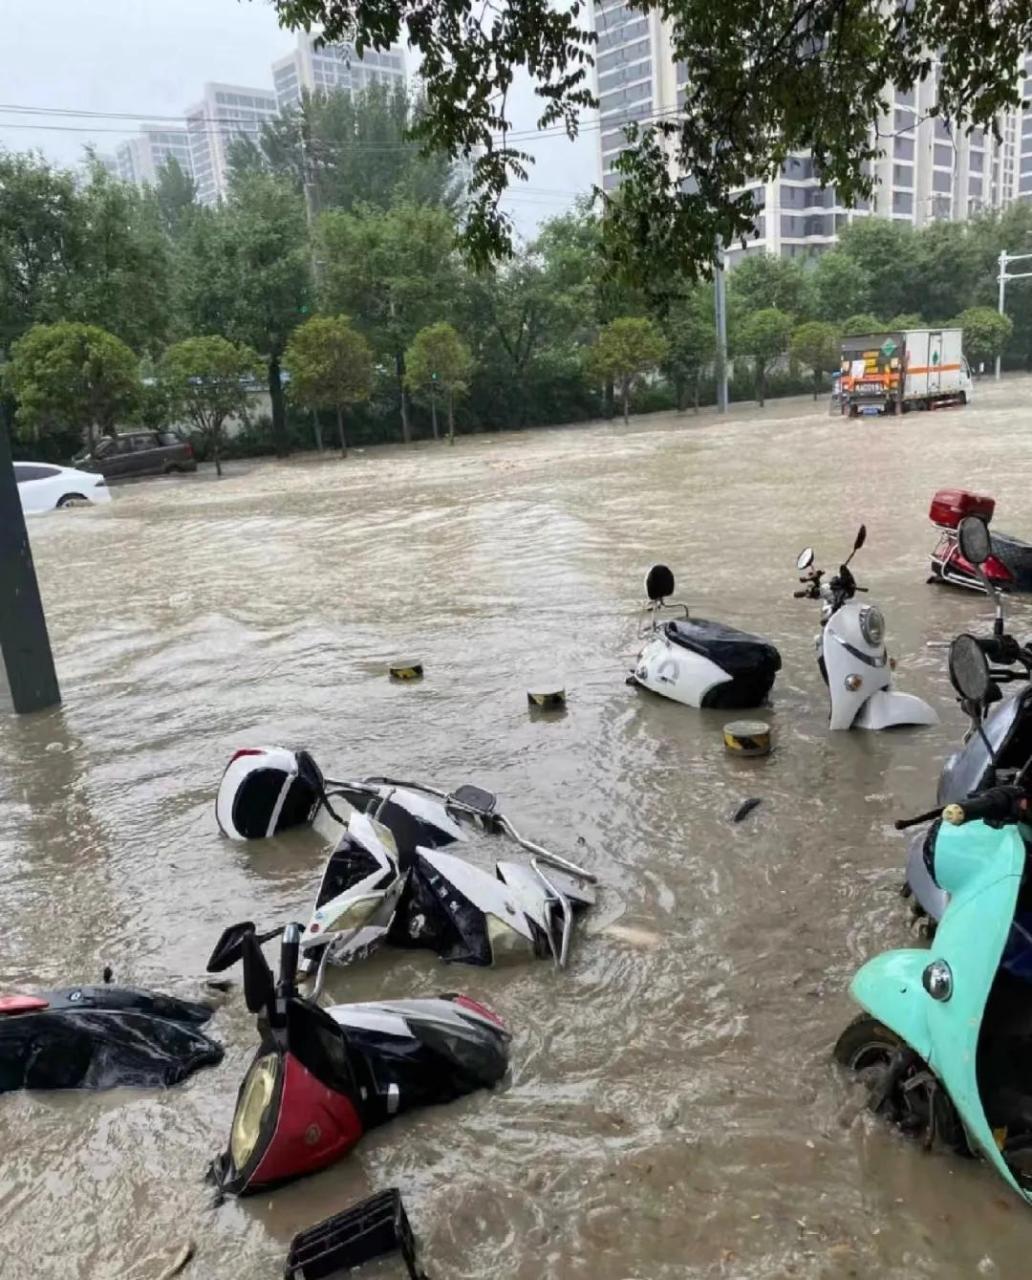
x: 43, y: 486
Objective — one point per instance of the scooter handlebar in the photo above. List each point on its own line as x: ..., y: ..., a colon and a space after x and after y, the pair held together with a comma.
x: 799, y: 595
x: 999, y: 804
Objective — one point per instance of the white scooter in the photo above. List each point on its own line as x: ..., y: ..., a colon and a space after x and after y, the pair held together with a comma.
x: 851, y: 652
x: 696, y: 662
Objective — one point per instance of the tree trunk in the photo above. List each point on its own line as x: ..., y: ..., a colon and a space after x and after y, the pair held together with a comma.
x: 451, y: 417
x: 609, y: 399
x: 317, y: 427
x: 433, y: 412
x: 625, y: 389
x: 816, y: 383
x: 695, y: 395
x: 761, y: 382
x: 399, y: 369
x: 340, y: 432
x: 679, y: 390
x: 215, y: 442
x: 279, y: 409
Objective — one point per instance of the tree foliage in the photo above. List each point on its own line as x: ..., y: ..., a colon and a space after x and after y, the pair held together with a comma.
x: 688, y: 326
x: 816, y: 345
x: 70, y: 376
x: 207, y: 380
x: 862, y: 323
x: 986, y: 333
x: 439, y: 361
x: 763, y: 335
x: 626, y: 350
x: 331, y: 367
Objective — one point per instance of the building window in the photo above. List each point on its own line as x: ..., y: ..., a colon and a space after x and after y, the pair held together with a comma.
x: 942, y: 181
x: 905, y: 99
x: 903, y: 119
x: 944, y: 154
x: 941, y: 131
x: 902, y: 202
x: 975, y: 161
x: 903, y: 175
x: 903, y: 149
x: 975, y: 186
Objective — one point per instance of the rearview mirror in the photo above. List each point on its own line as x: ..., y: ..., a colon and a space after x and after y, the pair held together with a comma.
x: 861, y: 537
x: 969, y: 669
x: 659, y: 583
x: 805, y: 558
x: 973, y: 536
x: 259, y: 985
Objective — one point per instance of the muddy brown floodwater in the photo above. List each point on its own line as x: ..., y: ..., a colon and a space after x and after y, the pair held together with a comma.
x: 672, y: 1110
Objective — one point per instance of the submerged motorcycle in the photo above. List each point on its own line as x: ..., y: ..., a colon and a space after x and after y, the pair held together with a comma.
x: 389, y: 878
x: 1007, y: 567
x: 851, y: 653
x: 996, y: 745
x: 945, y: 1041
x: 322, y: 1076
x: 102, y: 1037
x: 697, y: 662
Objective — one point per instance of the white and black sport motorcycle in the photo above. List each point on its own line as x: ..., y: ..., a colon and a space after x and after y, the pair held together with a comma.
x: 697, y: 662
x: 392, y: 877
x: 851, y: 653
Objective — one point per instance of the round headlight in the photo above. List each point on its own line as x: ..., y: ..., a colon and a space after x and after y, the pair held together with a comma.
x: 257, y: 1093
x: 872, y: 625
x: 937, y: 980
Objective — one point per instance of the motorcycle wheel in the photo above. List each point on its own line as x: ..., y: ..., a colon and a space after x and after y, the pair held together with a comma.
x: 915, y: 1102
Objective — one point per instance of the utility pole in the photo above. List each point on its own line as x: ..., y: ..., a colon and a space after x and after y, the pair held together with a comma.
x: 720, y: 316
x: 24, y: 642
x: 1003, y: 277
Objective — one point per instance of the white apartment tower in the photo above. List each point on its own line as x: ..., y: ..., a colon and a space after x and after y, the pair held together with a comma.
x: 927, y: 171
x: 226, y: 113
x: 326, y: 68
x: 141, y: 159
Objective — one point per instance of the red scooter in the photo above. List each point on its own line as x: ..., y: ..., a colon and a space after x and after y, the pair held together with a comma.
x: 1008, y: 568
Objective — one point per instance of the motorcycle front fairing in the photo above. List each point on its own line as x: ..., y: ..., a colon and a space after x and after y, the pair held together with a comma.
x: 971, y: 768
x: 981, y: 868
x: 873, y: 704
x: 102, y: 1037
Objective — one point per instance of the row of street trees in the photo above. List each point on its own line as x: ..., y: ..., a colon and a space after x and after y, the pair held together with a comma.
x: 121, y: 306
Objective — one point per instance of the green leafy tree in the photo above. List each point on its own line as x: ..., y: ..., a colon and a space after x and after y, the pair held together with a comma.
x: 243, y: 271
x: 764, y: 337
x: 353, y: 149
x: 986, y: 333
x: 176, y: 194
x: 40, y: 239
x: 689, y: 328
x: 887, y: 252
x: 816, y: 345
x: 861, y: 324
x: 627, y: 349
x: 840, y: 287
x: 908, y: 320
x: 331, y: 366
x: 767, y: 78
x: 394, y: 272
x: 762, y: 280
x: 70, y: 376
x: 438, y: 361
x: 207, y: 380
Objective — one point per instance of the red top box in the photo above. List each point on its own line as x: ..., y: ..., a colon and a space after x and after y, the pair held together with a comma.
x: 950, y: 506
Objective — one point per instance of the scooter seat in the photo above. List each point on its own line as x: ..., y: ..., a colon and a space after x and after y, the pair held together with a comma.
x: 737, y: 652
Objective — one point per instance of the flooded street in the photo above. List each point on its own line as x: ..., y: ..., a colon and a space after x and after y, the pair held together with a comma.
x: 672, y: 1109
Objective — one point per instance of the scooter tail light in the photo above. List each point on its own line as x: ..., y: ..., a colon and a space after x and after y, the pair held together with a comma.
x: 474, y: 1006
x: 246, y: 751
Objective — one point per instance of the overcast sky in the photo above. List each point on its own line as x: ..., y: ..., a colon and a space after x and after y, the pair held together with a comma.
x: 151, y: 57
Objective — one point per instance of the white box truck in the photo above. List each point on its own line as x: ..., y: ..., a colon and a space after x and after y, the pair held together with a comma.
x: 895, y: 372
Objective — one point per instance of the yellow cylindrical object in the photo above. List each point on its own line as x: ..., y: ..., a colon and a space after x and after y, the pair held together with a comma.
x: 547, y: 699
x: 747, y: 738
x: 407, y: 670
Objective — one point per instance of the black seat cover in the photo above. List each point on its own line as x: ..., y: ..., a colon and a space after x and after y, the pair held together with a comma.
x: 736, y: 652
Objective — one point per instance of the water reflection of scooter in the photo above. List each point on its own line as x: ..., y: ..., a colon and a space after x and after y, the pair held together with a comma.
x: 851, y: 652
x: 322, y: 1076
x: 995, y: 747
x: 945, y: 1042
x: 697, y: 662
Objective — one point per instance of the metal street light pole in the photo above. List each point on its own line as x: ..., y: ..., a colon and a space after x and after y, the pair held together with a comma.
x: 24, y: 642
x: 720, y: 316
x: 1003, y: 277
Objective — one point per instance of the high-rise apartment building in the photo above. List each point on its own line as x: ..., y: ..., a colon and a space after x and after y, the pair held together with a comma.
x: 317, y: 68
x: 141, y: 159
x: 226, y: 113
x: 927, y: 171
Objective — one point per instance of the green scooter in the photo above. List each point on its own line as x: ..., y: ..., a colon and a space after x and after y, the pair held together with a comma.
x: 945, y: 1042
